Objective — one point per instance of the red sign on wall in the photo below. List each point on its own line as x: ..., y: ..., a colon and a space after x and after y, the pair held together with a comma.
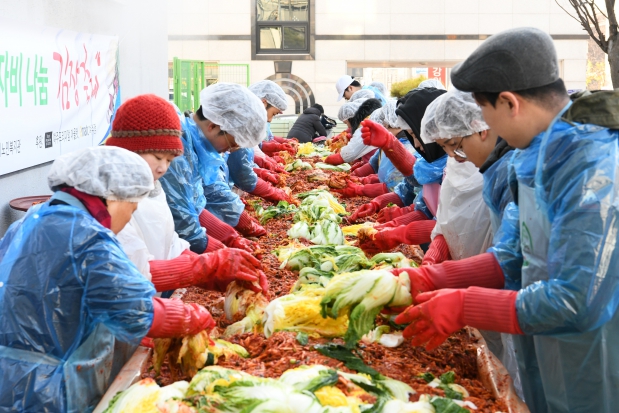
x: 439, y: 73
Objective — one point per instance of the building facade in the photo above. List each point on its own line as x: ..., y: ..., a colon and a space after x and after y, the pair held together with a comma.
x: 314, y: 42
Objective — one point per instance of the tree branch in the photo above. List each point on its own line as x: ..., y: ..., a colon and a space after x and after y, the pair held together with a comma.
x: 567, y: 12
x: 612, y: 18
x: 585, y: 19
x: 593, y: 18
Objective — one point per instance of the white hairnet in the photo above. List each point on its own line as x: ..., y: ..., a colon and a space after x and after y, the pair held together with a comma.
x: 108, y: 172
x: 348, y: 110
x: 237, y: 111
x: 362, y: 94
x: 272, y: 92
x: 431, y: 83
x: 381, y: 88
x: 459, y: 115
x: 429, y: 128
x: 386, y: 115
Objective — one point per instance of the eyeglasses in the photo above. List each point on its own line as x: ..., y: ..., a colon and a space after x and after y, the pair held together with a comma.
x: 230, y: 147
x: 458, y: 151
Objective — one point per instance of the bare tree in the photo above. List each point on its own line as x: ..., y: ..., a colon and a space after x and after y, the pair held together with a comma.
x: 588, y: 14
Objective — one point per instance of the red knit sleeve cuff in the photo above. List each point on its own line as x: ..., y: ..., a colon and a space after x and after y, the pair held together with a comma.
x: 488, y: 309
x: 438, y: 251
x: 419, y: 232
x: 390, y: 198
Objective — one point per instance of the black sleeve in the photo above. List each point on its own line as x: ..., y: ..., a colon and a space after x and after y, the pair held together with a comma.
x: 319, y: 126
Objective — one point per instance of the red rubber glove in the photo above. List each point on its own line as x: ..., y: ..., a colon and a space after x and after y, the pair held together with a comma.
x: 390, y: 213
x: 249, y: 227
x: 372, y: 241
x: 441, y: 313
x: 404, y: 220
x: 279, y: 139
x: 274, y: 147
x: 438, y: 251
x: 364, y: 170
x: 478, y: 271
x: 213, y: 244
x: 279, y: 160
x: 371, y: 190
x: 269, y: 163
x: 357, y: 165
x: 374, y: 134
x: 246, y: 245
x: 370, y: 179
x: 216, y: 228
x: 334, y: 159
x: 173, y: 318
x: 267, y: 176
x: 212, y: 271
x: 269, y: 192
x: 376, y: 205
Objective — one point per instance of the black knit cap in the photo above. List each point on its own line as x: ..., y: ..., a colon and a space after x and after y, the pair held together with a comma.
x: 512, y: 60
x: 411, y: 108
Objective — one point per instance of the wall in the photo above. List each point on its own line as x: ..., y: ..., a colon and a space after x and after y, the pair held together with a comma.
x: 196, y: 24
x: 141, y: 26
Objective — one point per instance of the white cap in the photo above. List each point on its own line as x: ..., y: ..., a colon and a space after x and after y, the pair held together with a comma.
x: 109, y: 172
x: 237, y: 111
x: 362, y: 94
x: 271, y: 92
x: 341, y: 85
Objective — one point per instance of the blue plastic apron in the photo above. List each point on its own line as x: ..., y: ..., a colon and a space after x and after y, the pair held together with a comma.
x: 560, y: 373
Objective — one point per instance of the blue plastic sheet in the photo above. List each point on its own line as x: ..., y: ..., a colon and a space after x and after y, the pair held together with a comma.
x: 568, y: 188
x: 213, y: 170
x: 72, y: 309
x: 387, y: 173
x: 270, y: 135
x: 505, y: 221
x: 241, y: 167
x: 408, y: 189
x: 429, y: 173
x: 182, y: 184
x: 377, y: 94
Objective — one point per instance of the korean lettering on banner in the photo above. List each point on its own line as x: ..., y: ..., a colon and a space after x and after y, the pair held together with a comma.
x: 438, y: 73
x: 58, y: 92
x: 76, y: 77
x: 14, y: 68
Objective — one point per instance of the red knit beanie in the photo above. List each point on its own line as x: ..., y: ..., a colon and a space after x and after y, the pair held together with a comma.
x: 147, y: 123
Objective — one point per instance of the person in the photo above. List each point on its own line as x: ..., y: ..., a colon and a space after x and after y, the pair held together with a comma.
x: 73, y: 308
x: 562, y: 307
x: 353, y: 113
x: 462, y: 225
x: 425, y: 167
x: 274, y: 100
x: 347, y: 85
x: 149, y: 239
x: 229, y: 117
x: 308, y: 126
x: 435, y: 83
x: 378, y: 176
x: 243, y: 173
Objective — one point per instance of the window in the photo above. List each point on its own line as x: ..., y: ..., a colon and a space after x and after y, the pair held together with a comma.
x: 282, y: 27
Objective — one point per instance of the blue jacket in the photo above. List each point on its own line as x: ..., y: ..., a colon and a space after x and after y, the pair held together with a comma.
x: 73, y: 308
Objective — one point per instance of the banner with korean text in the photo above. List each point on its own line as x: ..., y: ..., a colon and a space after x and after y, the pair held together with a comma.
x: 58, y: 92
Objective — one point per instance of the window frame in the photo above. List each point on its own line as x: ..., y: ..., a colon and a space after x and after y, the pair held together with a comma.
x: 306, y: 53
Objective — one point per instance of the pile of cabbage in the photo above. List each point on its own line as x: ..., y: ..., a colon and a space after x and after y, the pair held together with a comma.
x: 307, y: 389
x: 318, y: 219
x: 310, y: 150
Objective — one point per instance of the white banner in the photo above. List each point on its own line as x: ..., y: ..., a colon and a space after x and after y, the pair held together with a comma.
x: 58, y: 93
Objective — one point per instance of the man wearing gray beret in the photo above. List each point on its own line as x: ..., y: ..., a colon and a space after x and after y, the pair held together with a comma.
x: 562, y: 307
